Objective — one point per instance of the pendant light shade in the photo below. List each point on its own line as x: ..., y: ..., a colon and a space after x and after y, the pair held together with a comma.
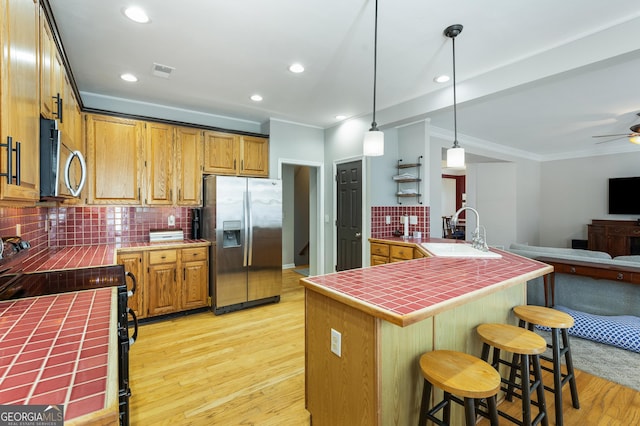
x: 455, y: 154
x: 455, y: 158
x: 373, y: 144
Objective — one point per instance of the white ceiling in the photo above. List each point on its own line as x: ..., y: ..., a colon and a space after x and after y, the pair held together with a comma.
x: 535, y: 78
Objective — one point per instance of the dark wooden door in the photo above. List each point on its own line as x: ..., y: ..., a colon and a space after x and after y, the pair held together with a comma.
x: 349, y: 222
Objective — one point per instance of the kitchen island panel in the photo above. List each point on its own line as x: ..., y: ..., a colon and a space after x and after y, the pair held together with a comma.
x: 344, y: 388
x: 401, y: 385
x: 455, y: 329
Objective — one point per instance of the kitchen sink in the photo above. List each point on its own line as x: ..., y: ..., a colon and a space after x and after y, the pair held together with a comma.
x: 458, y: 250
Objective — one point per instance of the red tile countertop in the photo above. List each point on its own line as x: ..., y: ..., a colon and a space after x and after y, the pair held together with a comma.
x: 75, y: 257
x: 407, y: 292
x: 60, y: 349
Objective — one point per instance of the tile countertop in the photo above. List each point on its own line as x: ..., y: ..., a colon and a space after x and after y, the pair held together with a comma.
x: 75, y: 257
x: 406, y: 292
x: 61, y: 349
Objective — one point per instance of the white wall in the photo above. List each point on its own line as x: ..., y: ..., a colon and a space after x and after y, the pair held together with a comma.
x: 293, y: 141
x: 576, y: 191
x: 288, y: 220
x: 491, y: 190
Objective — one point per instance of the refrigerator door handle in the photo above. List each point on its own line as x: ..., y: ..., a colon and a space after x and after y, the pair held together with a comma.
x: 246, y: 231
x: 250, y: 209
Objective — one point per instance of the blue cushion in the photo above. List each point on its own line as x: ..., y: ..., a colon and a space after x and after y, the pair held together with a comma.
x: 622, y: 331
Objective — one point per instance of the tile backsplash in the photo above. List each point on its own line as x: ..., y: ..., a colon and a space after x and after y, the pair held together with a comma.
x: 77, y: 226
x: 380, y: 229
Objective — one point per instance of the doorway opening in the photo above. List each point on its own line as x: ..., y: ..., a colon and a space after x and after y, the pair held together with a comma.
x: 302, y: 226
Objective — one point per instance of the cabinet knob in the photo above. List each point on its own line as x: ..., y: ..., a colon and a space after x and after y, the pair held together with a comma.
x: 620, y: 276
x: 572, y: 270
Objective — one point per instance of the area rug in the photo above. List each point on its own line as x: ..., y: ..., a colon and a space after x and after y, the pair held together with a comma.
x: 302, y: 271
x: 611, y: 363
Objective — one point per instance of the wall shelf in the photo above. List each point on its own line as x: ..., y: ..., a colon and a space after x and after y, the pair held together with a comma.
x: 411, y: 176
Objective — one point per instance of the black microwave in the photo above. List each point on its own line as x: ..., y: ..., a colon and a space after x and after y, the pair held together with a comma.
x: 56, y: 165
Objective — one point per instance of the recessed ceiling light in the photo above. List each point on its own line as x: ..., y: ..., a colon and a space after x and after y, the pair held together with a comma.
x: 136, y: 14
x: 441, y: 79
x: 296, y: 68
x: 129, y: 77
x: 340, y: 117
x: 256, y: 98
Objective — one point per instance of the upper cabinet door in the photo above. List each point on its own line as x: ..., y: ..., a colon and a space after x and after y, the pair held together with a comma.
x: 229, y: 154
x: 254, y: 156
x: 189, y: 166
x: 159, y: 162
x: 114, y: 159
x: 20, y: 101
x: 221, y: 153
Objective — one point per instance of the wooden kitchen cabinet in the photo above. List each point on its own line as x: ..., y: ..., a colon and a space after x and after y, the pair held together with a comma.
x: 169, y: 279
x: 19, y: 101
x: 254, y: 156
x: 173, y: 159
x: 398, y: 253
x: 133, y: 263
x: 221, y: 152
x: 162, y: 282
x: 382, y: 252
x: 195, y: 274
x: 159, y: 163
x: 379, y: 253
x: 188, y: 166
x: 229, y: 154
x: 51, y: 69
x: 57, y: 98
x: 114, y: 159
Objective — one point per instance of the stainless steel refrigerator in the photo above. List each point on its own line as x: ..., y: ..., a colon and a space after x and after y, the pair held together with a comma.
x: 243, y: 217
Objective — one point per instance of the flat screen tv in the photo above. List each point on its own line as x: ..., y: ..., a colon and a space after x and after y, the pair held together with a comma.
x: 624, y: 195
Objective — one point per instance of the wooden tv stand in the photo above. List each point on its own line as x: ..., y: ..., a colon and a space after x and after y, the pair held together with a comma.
x: 616, y: 237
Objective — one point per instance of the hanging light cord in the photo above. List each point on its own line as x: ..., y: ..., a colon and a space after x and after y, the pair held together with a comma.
x: 374, y: 125
x: 455, y: 112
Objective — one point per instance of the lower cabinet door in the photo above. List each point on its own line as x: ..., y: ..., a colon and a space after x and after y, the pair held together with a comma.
x: 195, y: 291
x: 162, y: 286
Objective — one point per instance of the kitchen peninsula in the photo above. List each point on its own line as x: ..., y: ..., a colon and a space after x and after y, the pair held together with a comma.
x: 387, y: 316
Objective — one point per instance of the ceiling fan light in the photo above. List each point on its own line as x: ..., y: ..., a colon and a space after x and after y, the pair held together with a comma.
x: 455, y: 158
x: 635, y: 139
x: 373, y: 145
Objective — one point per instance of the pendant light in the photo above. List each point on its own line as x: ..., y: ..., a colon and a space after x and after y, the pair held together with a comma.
x: 455, y: 154
x: 373, y: 144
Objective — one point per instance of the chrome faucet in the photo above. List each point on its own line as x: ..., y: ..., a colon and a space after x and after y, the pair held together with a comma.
x: 478, y: 238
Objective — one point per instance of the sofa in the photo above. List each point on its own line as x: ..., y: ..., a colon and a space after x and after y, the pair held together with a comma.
x: 604, y: 309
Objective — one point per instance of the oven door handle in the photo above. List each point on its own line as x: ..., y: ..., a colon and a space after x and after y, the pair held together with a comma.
x: 133, y: 338
x: 135, y: 283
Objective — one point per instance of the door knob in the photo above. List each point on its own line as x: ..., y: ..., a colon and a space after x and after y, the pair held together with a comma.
x: 358, y: 234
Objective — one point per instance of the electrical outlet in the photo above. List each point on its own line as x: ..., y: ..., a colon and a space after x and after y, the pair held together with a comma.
x: 336, y: 342
x: 387, y: 220
x: 413, y: 220
x: 171, y: 220
x: 18, y: 230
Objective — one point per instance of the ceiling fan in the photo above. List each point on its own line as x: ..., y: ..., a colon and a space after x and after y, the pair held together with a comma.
x: 634, y: 136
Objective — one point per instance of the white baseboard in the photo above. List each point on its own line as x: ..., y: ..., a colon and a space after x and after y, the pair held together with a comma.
x: 289, y: 266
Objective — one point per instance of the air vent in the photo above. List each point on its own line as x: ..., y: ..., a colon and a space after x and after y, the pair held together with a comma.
x: 163, y: 71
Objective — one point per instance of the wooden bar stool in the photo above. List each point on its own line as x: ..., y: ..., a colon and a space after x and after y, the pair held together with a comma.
x: 559, y: 322
x: 462, y: 375
x: 528, y: 345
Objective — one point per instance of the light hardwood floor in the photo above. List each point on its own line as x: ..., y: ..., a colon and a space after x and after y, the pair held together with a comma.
x: 247, y: 368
